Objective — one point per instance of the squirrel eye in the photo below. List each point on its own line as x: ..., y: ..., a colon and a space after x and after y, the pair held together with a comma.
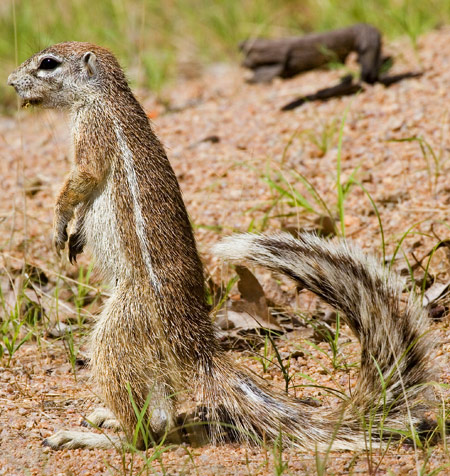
x: 49, y: 63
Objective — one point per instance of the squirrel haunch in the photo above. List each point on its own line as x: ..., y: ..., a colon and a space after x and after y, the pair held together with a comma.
x: 154, y: 339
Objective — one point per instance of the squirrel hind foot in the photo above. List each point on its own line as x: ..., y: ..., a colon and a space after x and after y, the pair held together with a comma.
x: 101, y: 418
x: 64, y: 439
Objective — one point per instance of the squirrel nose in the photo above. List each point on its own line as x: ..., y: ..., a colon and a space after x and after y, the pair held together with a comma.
x: 11, y: 80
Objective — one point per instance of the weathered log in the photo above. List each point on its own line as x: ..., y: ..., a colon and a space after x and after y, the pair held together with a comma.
x: 387, y: 80
x: 346, y: 87
x: 287, y: 57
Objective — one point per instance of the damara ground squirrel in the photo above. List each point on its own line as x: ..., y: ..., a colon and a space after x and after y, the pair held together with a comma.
x: 154, y: 339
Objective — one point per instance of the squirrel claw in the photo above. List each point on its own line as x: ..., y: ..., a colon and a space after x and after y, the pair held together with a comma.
x: 58, y: 248
x: 59, y: 240
x: 72, y: 257
x: 76, y: 245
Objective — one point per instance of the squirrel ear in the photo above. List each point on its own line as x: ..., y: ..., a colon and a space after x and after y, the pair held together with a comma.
x: 90, y: 63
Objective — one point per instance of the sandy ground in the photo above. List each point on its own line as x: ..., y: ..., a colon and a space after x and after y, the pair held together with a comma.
x: 224, y: 182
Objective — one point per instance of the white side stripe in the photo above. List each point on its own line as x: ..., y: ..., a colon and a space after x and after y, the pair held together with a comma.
x: 134, y: 189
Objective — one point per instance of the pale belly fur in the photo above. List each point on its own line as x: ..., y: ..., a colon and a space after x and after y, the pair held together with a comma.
x: 103, y: 236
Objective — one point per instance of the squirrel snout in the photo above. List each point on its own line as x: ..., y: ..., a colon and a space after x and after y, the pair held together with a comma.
x: 12, y: 80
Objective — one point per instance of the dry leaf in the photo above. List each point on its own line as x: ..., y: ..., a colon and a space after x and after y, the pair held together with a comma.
x: 252, y: 293
x: 434, y: 292
x: 324, y: 225
x: 438, y: 312
x: 243, y: 320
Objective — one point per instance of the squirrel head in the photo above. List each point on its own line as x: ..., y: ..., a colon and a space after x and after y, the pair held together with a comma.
x: 68, y: 74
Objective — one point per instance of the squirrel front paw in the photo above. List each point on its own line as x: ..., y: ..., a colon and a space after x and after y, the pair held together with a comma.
x: 76, y: 245
x: 60, y: 237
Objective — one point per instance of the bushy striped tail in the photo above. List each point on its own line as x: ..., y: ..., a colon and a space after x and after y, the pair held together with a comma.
x: 395, y: 339
x: 242, y: 407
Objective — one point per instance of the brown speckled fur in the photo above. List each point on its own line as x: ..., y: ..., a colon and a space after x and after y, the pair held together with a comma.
x: 154, y: 335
